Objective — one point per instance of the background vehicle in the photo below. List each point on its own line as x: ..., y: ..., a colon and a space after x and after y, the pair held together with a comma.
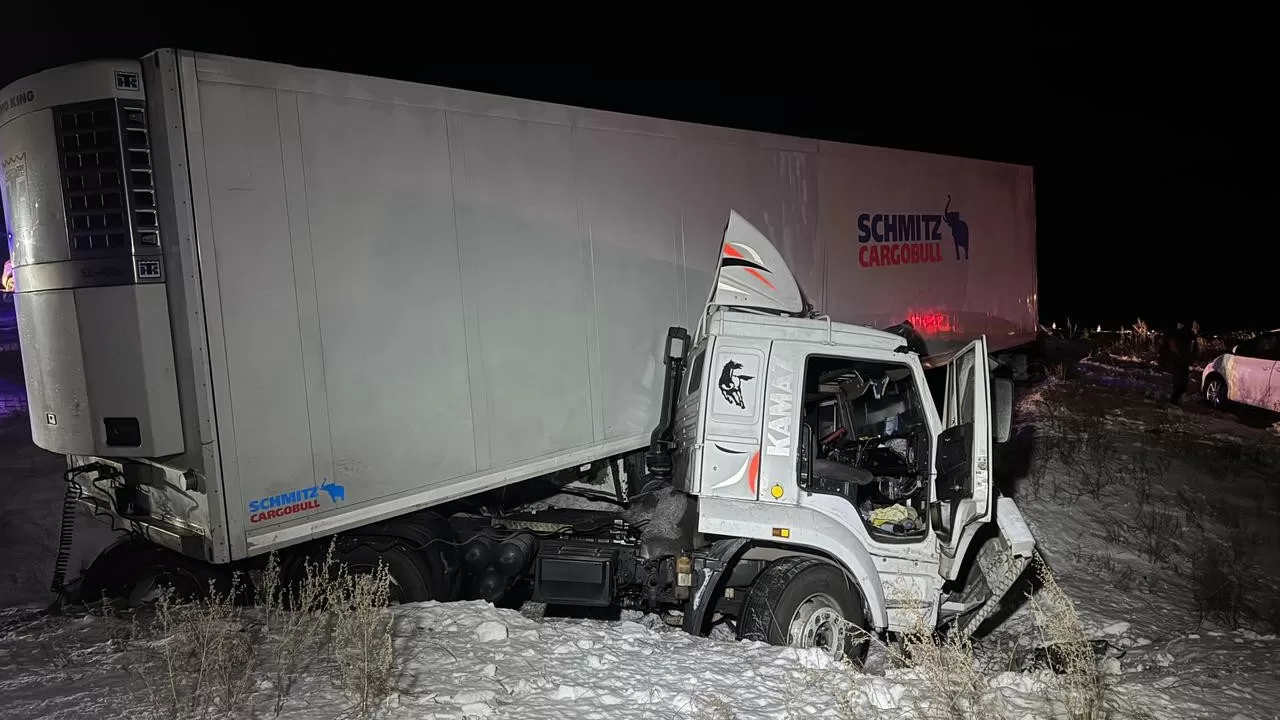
x: 1249, y: 374
x: 525, y: 275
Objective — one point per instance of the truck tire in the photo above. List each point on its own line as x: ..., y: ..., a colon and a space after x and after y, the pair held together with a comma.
x: 994, y: 571
x: 806, y: 602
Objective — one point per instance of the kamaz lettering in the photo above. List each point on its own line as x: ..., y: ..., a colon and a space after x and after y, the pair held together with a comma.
x: 780, y: 404
x: 901, y: 239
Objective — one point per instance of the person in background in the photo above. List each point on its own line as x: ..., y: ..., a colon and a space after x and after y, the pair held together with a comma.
x: 1177, y: 349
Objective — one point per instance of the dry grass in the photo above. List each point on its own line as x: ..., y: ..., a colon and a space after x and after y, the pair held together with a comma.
x: 1219, y: 542
x: 932, y: 677
x: 1227, y: 583
x: 953, y: 684
x: 213, y: 657
x: 363, y: 649
x: 295, y: 623
x: 1096, y: 464
x: 717, y: 707
x: 1158, y: 532
x: 1139, y: 341
x: 201, y: 660
x: 936, y: 676
x: 1148, y: 469
x: 1225, y: 561
x: 1059, y: 371
x: 1082, y: 689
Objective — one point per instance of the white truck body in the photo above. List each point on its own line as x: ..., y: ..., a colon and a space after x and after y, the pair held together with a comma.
x: 383, y: 296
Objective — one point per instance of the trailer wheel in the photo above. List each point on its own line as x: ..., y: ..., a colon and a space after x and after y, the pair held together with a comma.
x: 806, y: 602
x: 409, y: 573
x: 430, y: 538
x: 137, y: 572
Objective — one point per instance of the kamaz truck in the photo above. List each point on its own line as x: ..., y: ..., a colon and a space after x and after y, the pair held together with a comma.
x: 516, y: 350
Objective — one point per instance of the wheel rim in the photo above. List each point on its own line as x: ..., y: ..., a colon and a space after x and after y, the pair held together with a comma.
x: 819, y: 623
x: 1214, y: 392
x: 395, y: 595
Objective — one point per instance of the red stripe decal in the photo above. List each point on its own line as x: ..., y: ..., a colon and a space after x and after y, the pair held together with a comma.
x: 732, y: 251
x: 753, y: 473
x: 761, y: 278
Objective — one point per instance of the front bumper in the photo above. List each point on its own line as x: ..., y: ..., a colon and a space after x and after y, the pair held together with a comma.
x: 1013, y: 527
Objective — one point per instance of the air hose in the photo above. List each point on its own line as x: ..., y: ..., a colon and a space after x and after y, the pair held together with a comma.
x: 66, y: 533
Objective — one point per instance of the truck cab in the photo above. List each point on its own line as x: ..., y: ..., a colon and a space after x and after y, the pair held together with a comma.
x: 810, y: 438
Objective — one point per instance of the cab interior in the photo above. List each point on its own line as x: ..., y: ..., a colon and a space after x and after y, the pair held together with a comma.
x: 865, y: 439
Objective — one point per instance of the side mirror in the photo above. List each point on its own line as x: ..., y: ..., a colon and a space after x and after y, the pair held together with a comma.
x: 1001, y: 409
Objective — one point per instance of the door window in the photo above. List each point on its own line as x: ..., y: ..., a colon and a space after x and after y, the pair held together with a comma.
x: 1265, y: 347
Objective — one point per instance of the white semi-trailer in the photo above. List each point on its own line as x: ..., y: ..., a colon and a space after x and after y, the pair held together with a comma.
x: 262, y: 307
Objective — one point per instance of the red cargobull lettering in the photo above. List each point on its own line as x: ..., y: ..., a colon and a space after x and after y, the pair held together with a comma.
x: 899, y: 239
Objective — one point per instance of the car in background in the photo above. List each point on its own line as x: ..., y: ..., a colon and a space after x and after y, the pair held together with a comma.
x: 7, y: 279
x: 1248, y: 375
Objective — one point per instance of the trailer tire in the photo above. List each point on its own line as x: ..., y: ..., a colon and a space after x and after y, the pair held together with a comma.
x: 410, y: 574
x: 805, y: 601
x: 132, y: 570
x: 429, y: 537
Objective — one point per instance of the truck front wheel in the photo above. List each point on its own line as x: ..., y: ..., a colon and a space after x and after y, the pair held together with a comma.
x: 806, y: 602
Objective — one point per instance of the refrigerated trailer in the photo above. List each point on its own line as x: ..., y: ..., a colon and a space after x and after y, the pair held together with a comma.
x: 263, y: 307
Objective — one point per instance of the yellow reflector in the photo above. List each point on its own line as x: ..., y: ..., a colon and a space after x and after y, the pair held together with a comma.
x: 782, y: 532
x: 776, y: 491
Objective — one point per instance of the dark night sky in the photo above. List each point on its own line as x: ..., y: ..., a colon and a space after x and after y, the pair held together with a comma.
x: 1152, y: 138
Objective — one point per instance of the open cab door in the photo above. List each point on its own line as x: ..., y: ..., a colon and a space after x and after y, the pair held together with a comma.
x: 963, y: 495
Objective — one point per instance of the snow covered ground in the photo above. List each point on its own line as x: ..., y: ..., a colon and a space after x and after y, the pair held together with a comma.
x: 1150, y: 514
x: 1160, y: 523
x: 471, y: 660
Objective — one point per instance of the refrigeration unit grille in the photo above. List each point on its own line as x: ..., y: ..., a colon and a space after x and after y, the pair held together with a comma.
x: 139, y: 178
x: 105, y: 155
